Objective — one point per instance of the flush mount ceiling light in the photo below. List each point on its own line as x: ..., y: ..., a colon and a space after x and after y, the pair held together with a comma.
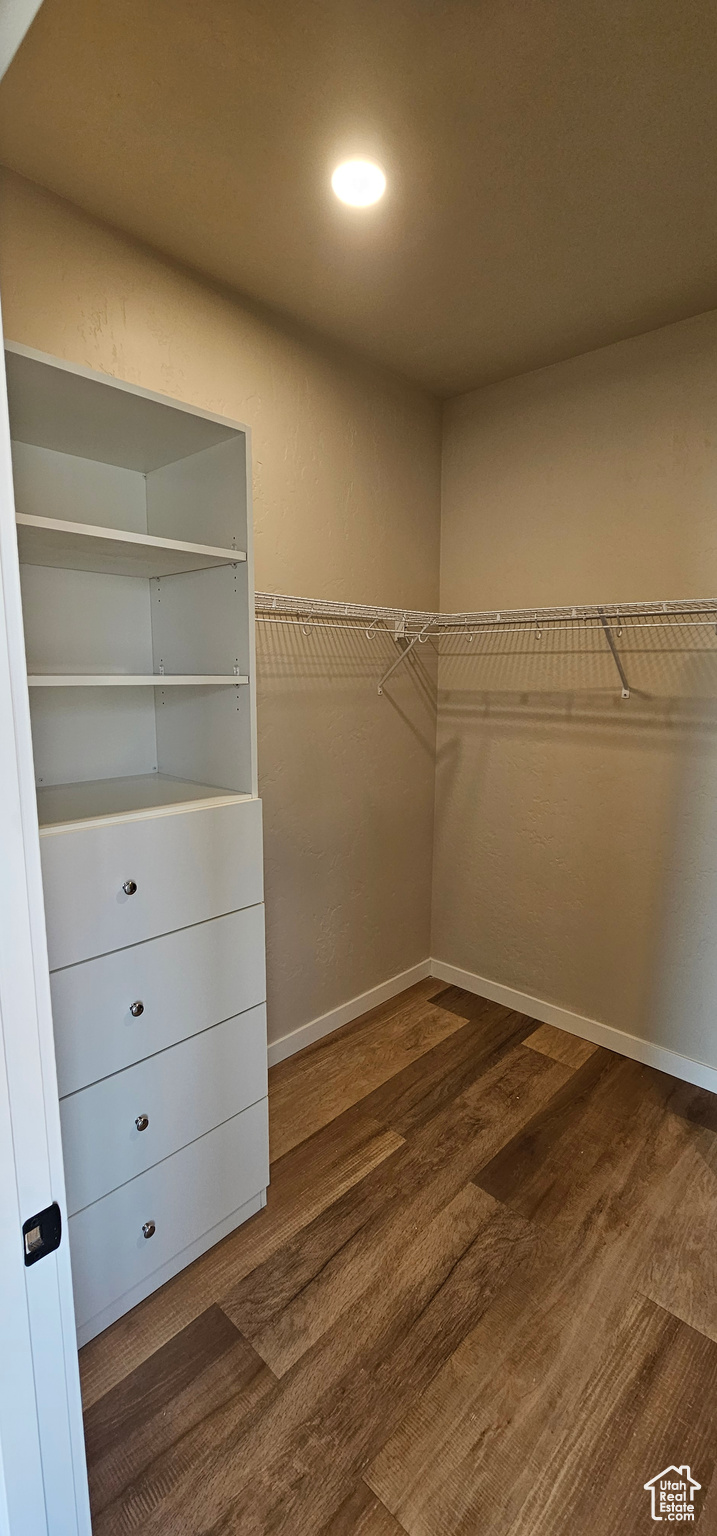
x: 359, y: 182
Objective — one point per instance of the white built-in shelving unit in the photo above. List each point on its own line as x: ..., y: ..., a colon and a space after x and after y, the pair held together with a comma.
x: 134, y: 540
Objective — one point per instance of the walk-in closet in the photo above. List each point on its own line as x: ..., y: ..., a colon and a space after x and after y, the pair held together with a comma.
x: 358, y: 768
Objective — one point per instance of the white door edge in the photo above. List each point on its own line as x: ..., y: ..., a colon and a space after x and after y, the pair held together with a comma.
x: 43, y: 1478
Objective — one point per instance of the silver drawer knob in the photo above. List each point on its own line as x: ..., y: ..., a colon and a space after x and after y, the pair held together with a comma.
x: 149, y: 1229
x: 142, y: 1122
x: 129, y: 887
x: 136, y: 1009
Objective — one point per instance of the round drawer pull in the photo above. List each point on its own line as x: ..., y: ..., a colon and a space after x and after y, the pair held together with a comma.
x: 149, y: 1229
x: 129, y: 887
x: 142, y: 1122
x: 136, y: 1009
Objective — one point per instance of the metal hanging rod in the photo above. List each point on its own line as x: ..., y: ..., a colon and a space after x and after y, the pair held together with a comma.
x: 408, y: 626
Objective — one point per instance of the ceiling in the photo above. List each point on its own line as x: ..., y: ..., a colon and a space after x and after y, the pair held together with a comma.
x: 551, y: 163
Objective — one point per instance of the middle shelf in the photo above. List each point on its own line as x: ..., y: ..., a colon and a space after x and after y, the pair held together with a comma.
x: 134, y: 680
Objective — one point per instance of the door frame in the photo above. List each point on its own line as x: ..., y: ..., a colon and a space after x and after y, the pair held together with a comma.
x: 43, y: 1474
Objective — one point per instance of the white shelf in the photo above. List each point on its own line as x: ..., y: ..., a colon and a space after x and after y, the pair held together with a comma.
x: 113, y: 551
x: 151, y: 680
x: 66, y: 804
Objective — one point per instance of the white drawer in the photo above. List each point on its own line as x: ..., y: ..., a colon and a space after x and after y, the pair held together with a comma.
x: 185, y: 981
x: 184, y: 1196
x: 187, y: 866
x: 182, y: 1093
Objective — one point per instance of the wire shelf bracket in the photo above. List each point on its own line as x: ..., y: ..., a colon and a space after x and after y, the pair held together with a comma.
x: 404, y: 654
x: 615, y: 656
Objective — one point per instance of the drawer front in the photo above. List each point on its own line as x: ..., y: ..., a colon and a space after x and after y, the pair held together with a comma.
x: 187, y: 866
x: 125, y: 1124
x: 184, y: 1197
x: 185, y: 982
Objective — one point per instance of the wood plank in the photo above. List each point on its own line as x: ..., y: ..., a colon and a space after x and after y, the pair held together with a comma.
x: 287, y: 1304
x: 531, y: 1457
x: 201, y: 1369
x: 410, y: 1099
x: 289, y: 1470
x: 593, y: 1172
x: 467, y: 1005
x: 681, y: 1270
x: 600, y: 1154
x: 361, y: 1514
x: 195, y: 1484
x: 303, y: 1185
x: 361, y: 1410
x: 310, y: 1089
x: 648, y: 1404
x: 148, y: 1390
x: 557, y: 1043
x: 523, y: 1157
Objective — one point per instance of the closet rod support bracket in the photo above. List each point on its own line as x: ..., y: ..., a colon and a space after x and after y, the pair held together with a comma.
x: 615, y: 656
x: 404, y: 653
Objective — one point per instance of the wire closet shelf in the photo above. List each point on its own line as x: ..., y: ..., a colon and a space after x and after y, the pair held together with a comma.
x: 409, y: 627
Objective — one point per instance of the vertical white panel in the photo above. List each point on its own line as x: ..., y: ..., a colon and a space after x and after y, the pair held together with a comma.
x: 251, y: 626
x: 92, y: 733
x: 200, y: 621
x: 205, y: 734
x: 77, y: 621
x: 203, y: 497
x: 51, y: 484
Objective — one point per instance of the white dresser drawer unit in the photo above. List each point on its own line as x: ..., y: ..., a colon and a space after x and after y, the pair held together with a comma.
x: 111, y: 884
x: 119, y: 1243
x: 115, y: 1010
x: 119, y: 1127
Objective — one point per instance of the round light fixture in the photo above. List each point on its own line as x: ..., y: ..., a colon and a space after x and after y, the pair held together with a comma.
x: 359, y: 182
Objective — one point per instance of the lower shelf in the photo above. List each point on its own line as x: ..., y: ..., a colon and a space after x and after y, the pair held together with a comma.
x: 65, y: 804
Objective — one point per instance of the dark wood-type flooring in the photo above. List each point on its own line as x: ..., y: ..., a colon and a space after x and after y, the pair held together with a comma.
x: 482, y: 1301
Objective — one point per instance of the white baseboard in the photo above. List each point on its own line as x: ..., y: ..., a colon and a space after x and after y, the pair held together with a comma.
x: 618, y: 1040
x: 346, y: 1012
x: 684, y: 1067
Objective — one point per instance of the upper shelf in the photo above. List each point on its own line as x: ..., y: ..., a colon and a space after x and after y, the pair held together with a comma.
x: 113, y: 551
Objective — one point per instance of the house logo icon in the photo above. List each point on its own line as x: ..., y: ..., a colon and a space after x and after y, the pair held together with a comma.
x: 672, y: 1493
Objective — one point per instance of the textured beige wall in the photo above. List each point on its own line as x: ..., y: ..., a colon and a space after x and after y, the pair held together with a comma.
x: 346, y: 504
x: 576, y: 834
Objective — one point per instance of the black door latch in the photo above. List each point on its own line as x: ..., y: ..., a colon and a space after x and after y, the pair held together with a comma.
x: 42, y: 1233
